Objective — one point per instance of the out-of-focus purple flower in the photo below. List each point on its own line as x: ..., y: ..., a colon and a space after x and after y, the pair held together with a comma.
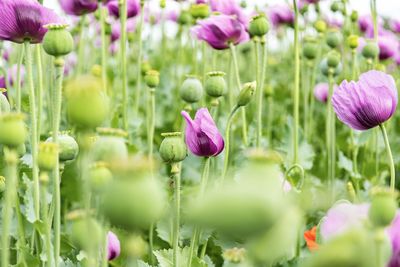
x: 221, y: 30
x: 24, y: 20
x: 133, y: 8
x: 394, y: 235
x: 334, y: 22
x: 12, y: 76
x: 114, y: 247
x: 6, y: 54
x: 201, y: 2
x: 367, y: 103
x: 79, y: 7
x: 113, y: 48
x: 3, y: 82
x: 202, y: 136
x: 387, y: 41
x: 395, y: 25
x: 365, y: 23
x: 70, y: 62
x: 321, y: 92
x: 116, y: 28
x: 280, y: 14
x: 342, y: 217
x: 230, y: 7
x: 172, y: 15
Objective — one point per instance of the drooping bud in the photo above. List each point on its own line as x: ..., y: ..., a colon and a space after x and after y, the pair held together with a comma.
x: 152, y: 78
x: 200, y: 11
x: 173, y: 148
x: 246, y: 94
x: 58, y: 41
x: 191, y: 90
x: 215, y: 84
x: 13, y: 129
x: 383, y: 208
x: 47, y: 156
x: 333, y: 38
x: 110, y: 145
x: 370, y: 50
x: 259, y: 25
x: 352, y: 41
x: 67, y: 147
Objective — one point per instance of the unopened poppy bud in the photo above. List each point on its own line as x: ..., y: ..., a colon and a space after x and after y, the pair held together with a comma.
x: 246, y: 94
x: 67, y: 147
x: 152, y: 78
x: 333, y: 39
x: 145, y: 67
x: 354, y: 16
x: 173, y: 148
x: 243, y: 4
x: 310, y: 49
x: 191, y: 90
x: 335, y: 6
x: 184, y: 18
x: 2, y: 184
x: 215, y: 84
x: 100, y: 176
x: 13, y: 129
x: 259, y: 25
x: 110, y: 145
x: 4, y: 104
x: 325, y: 69
x: 352, y: 41
x: 320, y: 26
x: 383, y: 208
x: 200, y: 11
x: 58, y: 41
x: 87, y: 104
x: 333, y: 59
x: 47, y: 156
x: 370, y: 50
x: 163, y: 3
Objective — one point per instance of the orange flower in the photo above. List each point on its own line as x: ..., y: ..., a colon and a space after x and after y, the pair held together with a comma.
x: 311, y: 236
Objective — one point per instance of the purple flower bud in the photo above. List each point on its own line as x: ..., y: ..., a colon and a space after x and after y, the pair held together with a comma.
x: 202, y: 136
x: 365, y: 23
x: 321, y: 92
x: 230, y: 7
x: 24, y: 20
x: 114, y: 247
x: 394, y: 234
x: 133, y: 8
x: 78, y: 7
x: 367, y: 103
x: 281, y: 14
x: 221, y: 30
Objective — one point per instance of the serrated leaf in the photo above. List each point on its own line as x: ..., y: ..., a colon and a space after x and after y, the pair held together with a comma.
x: 143, y: 264
x: 165, y: 258
x: 164, y: 230
x: 345, y: 163
x: 28, y: 208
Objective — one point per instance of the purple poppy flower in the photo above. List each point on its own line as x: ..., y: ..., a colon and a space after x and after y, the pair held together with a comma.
x: 365, y: 23
x: 24, y: 20
x: 114, y: 247
x: 321, y: 92
x: 12, y: 76
x: 367, y: 103
x: 388, y: 47
x: 342, y: 217
x: 133, y: 8
x: 394, y: 235
x: 201, y: 1
x: 116, y: 28
x: 79, y: 7
x: 221, y: 30
x: 230, y: 7
x: 281, y: 14
x: 202, y: 135
x: 395, y: 26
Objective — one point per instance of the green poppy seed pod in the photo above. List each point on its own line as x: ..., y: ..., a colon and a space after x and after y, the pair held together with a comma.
x: 325, y: 69
x: 2, y: 184
x: 354, y: 16
x: 336, y: 6
x: 243, y: 4
x: 258, y: 26
x: 110, y: 146
x: 4, y: 104
x: 383, y: 208
x: 333, y: 39
x: 152, y: 78
x: 87, y: 103
x: 96, y: 70
x: 200, y: 11
x: 191, y: 90
x: 58, y: 41
x: 320, y: 26
x: 310, y: 49
x: 246, y: 94
x: 215, y: 85
x: 67, y: 147
x: 100, y: 176
x: 145, y: 67
x: 352, y: 41
x: 370, y: 50
x: 163, y: 4
x: 47, y: 156
x: 185, y: 18
x: 13, y: 131
x: 173, y: 148
x: 333, y: 59
x: 86, y: 233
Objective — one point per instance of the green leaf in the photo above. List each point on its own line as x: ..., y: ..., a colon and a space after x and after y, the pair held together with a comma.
x: 143, y: 264
x: 28, y: 208
x: 165, y: 256
x: 345, y: 163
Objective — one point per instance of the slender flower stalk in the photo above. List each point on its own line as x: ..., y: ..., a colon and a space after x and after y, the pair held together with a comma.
x: 390, y: 156
x: 227, y: 142
x: 38, y: 54
x: 296, y: 85
x: 18, y: 81
x: 139, y: 61
x: 82, y: 43
x: 124, y: 63
x: 104, y: 45
x: 261, y: 84
x: 176, y: 175
x: 258, y: 93
x: 331, y: 132
x: 44, y: 179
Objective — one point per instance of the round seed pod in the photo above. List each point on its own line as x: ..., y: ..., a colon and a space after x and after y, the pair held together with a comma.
x: 310, y: 49
x: 173, y: 148
x: 86, y: 233
x: 383, y: 208
x: 352, y: 41
x: 200, y: 11
x: 47, y: 156
x: 215, y: 85
x: 320, y: 26
x: 191, y: 90
x: 13, y: 129
x: 145, y: 67
x: 67, y: 147
x: 58, y: 41
x: 354, y: 16
x: 152, y: 78
x: 110, y: 145
x: 333, y: 59
x: 370, y: 50
x: 333, y: 39
x: 325, y: 68
x: 100, y: 176
x: 185, y: 18
x: 259, y: 25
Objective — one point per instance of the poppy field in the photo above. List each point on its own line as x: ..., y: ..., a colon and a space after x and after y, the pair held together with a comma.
x: 198, y: 133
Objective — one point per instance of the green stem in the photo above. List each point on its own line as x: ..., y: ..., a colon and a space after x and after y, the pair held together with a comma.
x: 9, y: 197
x: 38, y: 53
x: 261, y: 87
x: 81, y: 49
x: 34, y: 139
x: 151, y: 111
x: 258, y: 92
x: 176, y: 174
x: 375, y: 23
x: 390, y: 156
x: 18, y: 82
x: 227, y: 143
x: 47, y: 231
x: 239, y: 85
x: 296, y: 85
x: 270, y: 117
x: 332, y: 133
x: 104, y: 45
x: 124, y: 63
x: 139, y: 62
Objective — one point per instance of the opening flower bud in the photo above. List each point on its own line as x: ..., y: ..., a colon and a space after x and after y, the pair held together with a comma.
x: 47, y: 156
x: 310, y: 49
x: 200, y: 11
x: 352, y: 41
x: 215, y: 84
x: 370, y: 50
x: 259, y: 25
x: 58, y: 41
x: 320, y: 26
x: 110, y: 145
x: 383, y: 208
x: 67, y: 147
x: 87, y: 104
x: 191, y: 90
x: 13, y: 129
x: 173, y: 148
x: 152, y: 78
x: 333, y: 59
x: 333, y: 38
x: 246, y: 94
